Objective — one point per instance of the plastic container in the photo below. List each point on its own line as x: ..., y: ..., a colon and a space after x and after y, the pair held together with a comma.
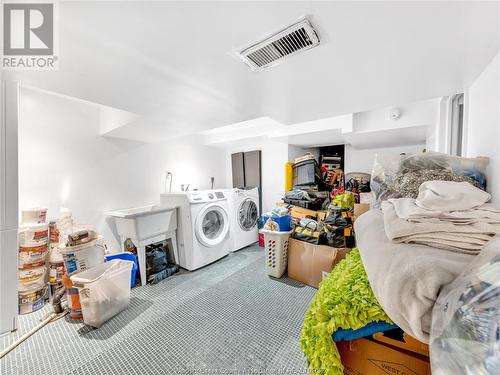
x: 65, y: 224
x: 104, y: 290
x: 32, y: 300
x: 73, y: 298
x: 32, y: 278
x: 33, y: 235
x: 56, y: 264
x: 82, y: 257
x: 276, y: 246
x: 34, y: 215
x: 126, y: 256
x: 30, y: 257
x: 284, y: 222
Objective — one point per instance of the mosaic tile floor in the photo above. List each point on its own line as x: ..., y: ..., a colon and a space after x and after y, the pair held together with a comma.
x: 227, y: 318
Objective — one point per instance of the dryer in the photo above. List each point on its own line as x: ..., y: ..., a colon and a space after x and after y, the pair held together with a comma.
x: 244, y: 216
x: 203, y: 226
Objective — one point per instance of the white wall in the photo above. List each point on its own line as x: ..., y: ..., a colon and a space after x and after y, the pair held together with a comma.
x: 424, y: 112
x: 63, y: 161
x: 362, y: 160
x: 483, y: 123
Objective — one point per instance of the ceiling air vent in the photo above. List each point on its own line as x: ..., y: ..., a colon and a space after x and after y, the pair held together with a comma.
x: 276, y: 48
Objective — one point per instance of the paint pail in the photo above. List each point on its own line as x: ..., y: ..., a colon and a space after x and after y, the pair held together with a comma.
x: 32, y: 279
x: 33, y: 235
x: 34, y: 215
x: 82, y: 257
x: 30, y: 257
x: 31, y: 301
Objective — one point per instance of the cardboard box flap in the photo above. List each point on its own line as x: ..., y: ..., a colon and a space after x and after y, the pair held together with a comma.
x: 400, y: 339
x: 367, y: 357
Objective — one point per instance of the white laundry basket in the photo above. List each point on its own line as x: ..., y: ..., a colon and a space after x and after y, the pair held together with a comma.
x: 276, y: 245
x: 104, y: 290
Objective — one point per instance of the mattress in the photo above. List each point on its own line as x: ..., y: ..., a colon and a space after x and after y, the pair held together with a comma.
x: 406, y: 279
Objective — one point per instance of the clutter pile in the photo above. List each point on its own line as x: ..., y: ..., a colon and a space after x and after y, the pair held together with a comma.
x: 445, y: 215
x: 410, y: 252
x: 312, y: 229
x: 68, y: 261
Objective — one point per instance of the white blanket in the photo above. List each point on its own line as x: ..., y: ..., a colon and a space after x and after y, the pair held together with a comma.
x: 406, y: 279
x: 450, y: 196
x: 467, y: 238
x: 407, y: 209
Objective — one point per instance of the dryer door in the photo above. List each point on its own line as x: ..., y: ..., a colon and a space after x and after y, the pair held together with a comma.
x: 247, y: 215
x: 212, y: 225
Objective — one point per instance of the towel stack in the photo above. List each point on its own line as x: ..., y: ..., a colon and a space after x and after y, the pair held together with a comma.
x: 447, y: 215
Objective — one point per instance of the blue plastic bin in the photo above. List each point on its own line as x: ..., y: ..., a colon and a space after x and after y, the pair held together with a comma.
x: 284, y: 222
x: 126, y: 256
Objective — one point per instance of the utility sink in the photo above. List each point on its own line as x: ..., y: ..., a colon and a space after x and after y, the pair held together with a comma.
x: 144, y: 222
x: 145, y: 226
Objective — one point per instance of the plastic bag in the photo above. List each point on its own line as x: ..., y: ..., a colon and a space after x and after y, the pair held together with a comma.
x: 397, y: 176
x: 465, y: 334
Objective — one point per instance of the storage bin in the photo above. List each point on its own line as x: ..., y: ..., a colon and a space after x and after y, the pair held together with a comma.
x: 126, y: 256
x: 276, y: 246
x: 284, y: 222
x: 104, y: 290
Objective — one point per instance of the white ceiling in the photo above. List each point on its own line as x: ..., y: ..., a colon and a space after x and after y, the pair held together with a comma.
x: 169, y: 62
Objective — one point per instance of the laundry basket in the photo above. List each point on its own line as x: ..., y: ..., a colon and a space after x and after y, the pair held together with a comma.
x: 104, y: 290
x: 276, y: 244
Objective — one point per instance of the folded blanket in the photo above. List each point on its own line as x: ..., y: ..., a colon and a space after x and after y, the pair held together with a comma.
x: 406, y: 279
x: 450, y: 196
x: 368, y: 330
x: 407, y: 209
x: 464, y: 238
x: 344, y: 300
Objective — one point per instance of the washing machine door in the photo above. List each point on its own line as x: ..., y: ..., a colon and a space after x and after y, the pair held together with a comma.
x: 212, y: 225
x: 248, y: 215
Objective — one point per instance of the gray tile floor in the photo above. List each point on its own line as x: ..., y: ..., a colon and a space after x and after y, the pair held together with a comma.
x: 227, y: 318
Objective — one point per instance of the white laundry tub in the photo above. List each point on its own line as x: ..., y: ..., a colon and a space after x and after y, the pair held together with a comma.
x: 144, y: 222
x: 146, y: 225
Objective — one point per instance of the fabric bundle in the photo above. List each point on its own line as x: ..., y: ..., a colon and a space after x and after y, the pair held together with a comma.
x: 445, y: 215
x: 406, y: 279
x: 344, y: 301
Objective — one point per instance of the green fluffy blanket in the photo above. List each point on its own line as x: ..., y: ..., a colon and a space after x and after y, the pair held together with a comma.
x: 344, y: 300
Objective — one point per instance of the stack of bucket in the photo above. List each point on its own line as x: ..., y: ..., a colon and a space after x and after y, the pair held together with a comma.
x: 32, y: 260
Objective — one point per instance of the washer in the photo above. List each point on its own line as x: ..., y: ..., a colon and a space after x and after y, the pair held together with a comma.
x: 203, y: 226
x: 244, y: 216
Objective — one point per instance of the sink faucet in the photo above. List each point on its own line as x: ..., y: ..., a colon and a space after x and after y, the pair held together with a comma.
x: 168, y: 175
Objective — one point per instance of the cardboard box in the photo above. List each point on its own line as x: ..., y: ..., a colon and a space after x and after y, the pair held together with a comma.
x: 399, y: 339
x: 307, y: 262
x: 367, y: 357
x: 360, y: 209
x: 299, y: 212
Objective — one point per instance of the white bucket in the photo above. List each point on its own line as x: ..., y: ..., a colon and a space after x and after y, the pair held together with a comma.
x: 30, y: 257
x: 32, y: 279
x: 82, y: 257
x: 33, y: 235
x: 34, y: 215
x: 31, y: 301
